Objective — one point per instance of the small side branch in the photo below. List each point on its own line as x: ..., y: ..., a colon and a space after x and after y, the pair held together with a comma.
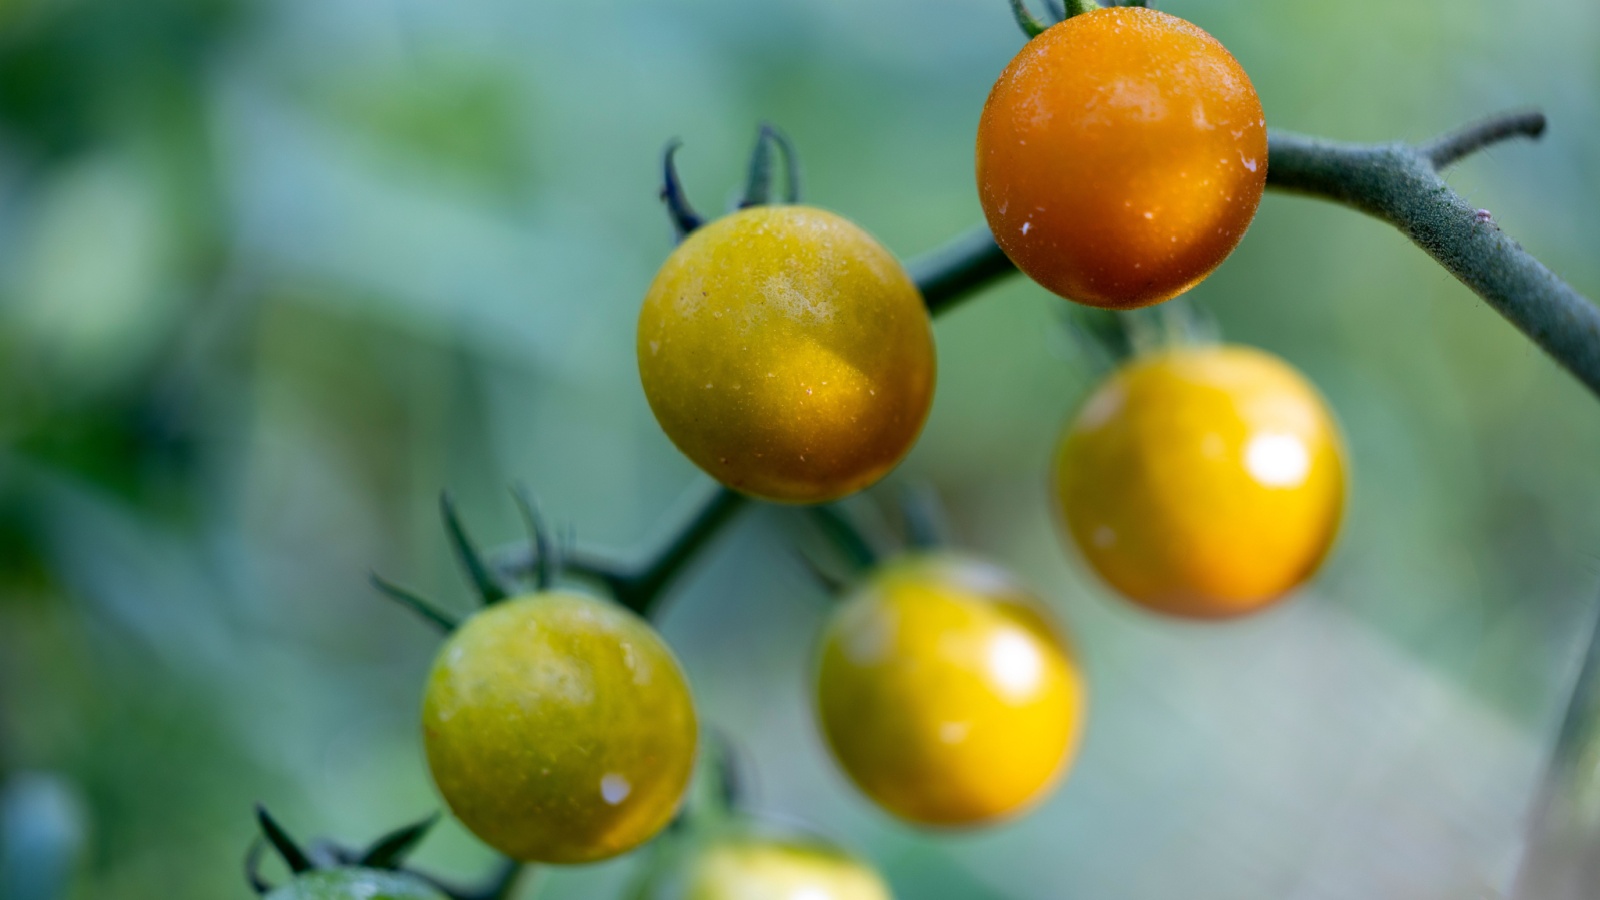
x: 1449, y: 149
x: 1401, y: 185
x: 639, y: 586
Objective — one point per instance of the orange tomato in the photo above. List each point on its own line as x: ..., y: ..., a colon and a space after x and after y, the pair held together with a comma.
x: 946, y: 694
x: 1202, y: 481
x: 1121, y: 156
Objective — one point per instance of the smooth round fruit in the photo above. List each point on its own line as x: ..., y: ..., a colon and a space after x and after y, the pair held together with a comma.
x: 1121, y: 156
x: 559, y: 728
x: 787, y: 354
x: 745, y: 866
x: 945, y: 693
x: 356, y: 884
x: 1204, y: 481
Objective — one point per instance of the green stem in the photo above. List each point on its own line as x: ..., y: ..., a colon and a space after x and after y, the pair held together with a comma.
x: 1398, y: 183
x: 959, y: 270
x: 639, y: 586
x: 1026, y: 20
x: 1401, y: 185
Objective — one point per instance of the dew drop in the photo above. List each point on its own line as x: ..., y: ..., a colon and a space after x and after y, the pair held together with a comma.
x: 615, y: 789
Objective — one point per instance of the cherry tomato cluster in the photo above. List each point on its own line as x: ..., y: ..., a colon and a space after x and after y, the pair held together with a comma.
x: 1120, y: 158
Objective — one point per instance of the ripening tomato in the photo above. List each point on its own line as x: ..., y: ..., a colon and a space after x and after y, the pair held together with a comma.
x: 1121, y: 156
x: 740, y: 864
x: 946, y: 694
x: 1202, y: 481
x: 787, y: 353
x: 356, y: 884
x: 559, y: 728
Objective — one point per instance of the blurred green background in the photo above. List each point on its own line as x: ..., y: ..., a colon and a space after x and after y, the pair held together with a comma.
x: 273, y: 274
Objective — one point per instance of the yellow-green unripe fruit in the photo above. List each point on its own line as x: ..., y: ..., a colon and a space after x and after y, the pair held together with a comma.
x: 559, y: 728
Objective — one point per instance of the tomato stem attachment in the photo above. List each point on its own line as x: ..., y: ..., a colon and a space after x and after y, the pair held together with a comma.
x: 500, y: 884
x: 1031, y: 25
x: 294, y: 857
x: 1178, y: 322
x: 389, y: 851
x: 252, y: 867
x: 1060, y: 10
x: 545, y: 561
x: 414, y: 602
x: 831, y: 583
x: 841, y: 530
x: 684, y: 219
x: 485, y: 579
x: 639, y: 586
x: 921, y: 509
x: 758, y: 183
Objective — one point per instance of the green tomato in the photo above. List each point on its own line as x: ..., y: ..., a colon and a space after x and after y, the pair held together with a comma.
x: 739, y: 865
x: 356, y: 884
x: 559, y: 728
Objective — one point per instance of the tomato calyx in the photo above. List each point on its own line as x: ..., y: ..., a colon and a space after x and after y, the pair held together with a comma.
x: 1060, y: 10
x: 491, y: 583
x: 387, y: 854
x: 759, y: 186
x: 923, y: 527
x: 1178, y: 322
x: 684, y: 219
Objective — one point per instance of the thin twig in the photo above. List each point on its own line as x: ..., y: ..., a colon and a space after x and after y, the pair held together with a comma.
x: 1451, y: 148
x: 1399, y: 184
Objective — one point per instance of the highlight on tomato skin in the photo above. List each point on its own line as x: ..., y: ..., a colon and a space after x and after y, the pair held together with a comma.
x: 559, y: 728
x: 1202, y: 482
x: 1121, y: 157
x: 947, y: 694
x: 787, y: 354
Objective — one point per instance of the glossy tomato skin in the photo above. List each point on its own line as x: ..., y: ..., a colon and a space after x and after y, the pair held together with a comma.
x: 787, y: 353
x: 946, y: 694
x: 1204, y: 482
x: 739, y: 863
x: 1121, y: 156
x: 356, y: 884
x: 559, y: 728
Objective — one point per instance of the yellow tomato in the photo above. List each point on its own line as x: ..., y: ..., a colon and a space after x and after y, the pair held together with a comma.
x: 946, y: 694
x: 741, y: 865
x: 1203, y: 481
x: 787, y: 354
x: 559, y: 728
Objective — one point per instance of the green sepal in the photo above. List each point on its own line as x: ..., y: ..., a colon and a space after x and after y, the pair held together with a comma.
x: 483, y: 578
x: 294, y: 857
x: 389, y: 851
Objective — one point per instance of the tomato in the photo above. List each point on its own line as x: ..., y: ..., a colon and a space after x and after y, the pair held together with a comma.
x: 946, y: 694
x: 787, y: 353
x: 742, y: 865
x: 559, y: 728
x: 1121, y: 156
x: 1202, y: 481
x: 356, y: 884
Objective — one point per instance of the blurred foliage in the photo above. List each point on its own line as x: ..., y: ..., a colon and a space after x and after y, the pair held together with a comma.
x: 273, y: 274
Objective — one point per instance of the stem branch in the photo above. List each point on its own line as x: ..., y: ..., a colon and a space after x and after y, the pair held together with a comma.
x: 1398, y: 183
